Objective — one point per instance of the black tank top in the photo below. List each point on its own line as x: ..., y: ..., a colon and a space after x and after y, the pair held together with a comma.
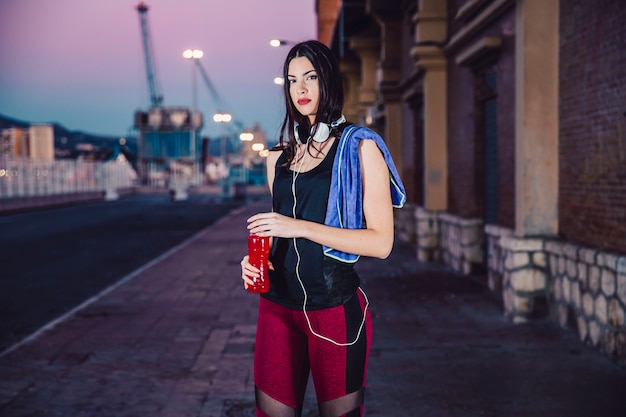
x: 328, y: 282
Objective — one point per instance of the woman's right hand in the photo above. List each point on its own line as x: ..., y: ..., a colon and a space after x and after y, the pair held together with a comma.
x: 248, y: 270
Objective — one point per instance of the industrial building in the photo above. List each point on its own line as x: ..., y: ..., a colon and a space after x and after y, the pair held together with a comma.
x: 506, y: 121
x: 36, y: 141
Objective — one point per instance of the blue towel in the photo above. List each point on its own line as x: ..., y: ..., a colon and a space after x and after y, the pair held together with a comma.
x: 345, y: 199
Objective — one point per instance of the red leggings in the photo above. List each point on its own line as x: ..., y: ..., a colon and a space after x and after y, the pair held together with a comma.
x: 286, y: 351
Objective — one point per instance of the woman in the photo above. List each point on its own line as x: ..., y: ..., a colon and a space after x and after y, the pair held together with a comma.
x: 332, y: 201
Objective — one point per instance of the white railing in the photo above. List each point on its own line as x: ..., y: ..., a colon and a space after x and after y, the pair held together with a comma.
x: 29, y: 177
x: 187, y: 174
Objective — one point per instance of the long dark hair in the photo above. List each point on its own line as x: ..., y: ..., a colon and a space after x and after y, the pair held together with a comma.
x: 330, y: 95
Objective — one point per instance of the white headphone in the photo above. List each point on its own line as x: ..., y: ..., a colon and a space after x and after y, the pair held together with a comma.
x: 322, y: 131
x: 316, y: 137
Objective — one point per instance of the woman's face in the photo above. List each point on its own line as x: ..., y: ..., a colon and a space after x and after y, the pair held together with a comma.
x: 303, y: 87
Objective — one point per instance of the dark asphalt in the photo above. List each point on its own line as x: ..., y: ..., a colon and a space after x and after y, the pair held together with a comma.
x: 176, y: 338
x: 52, y: 260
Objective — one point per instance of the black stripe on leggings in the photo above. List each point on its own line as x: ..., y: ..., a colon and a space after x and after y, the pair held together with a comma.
x: 355, y: 355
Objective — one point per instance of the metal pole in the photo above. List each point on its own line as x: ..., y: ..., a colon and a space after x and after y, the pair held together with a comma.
x: 225, y: 179
x: 192, y: 145
x: 193, y: 85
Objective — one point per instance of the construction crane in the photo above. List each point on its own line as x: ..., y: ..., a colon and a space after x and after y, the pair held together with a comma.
x: 169, y: 137
x: 219, y: 102
x: 156, y: 97
x: 205, y: 77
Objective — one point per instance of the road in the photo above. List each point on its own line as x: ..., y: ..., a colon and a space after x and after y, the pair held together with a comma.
x: 53, y: 260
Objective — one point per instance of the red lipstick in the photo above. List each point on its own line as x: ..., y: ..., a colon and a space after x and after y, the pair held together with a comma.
x: 303, y: 101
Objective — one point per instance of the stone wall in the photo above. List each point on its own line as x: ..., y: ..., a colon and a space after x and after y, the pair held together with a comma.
x: 575, y: 286
x: 428, y: 245
x: 456, y: 241
x: 404, y: 223
x: 495, y: 255
x: 524, y: 278
x: 588, y: 292
x: 462, y: 243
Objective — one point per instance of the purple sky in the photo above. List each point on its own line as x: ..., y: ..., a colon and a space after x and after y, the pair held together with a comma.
x: 81, y: 63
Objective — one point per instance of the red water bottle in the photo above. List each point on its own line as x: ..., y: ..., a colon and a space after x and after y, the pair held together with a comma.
x: 258, y: 251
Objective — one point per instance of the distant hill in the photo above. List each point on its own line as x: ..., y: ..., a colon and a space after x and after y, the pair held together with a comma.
x: 66, y: 141
x: 7, y: 122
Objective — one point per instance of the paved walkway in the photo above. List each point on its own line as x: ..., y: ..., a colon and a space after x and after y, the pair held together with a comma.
x: 176, y: 339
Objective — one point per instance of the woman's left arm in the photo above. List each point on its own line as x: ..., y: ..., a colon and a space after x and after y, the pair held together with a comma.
x: 376, y: 240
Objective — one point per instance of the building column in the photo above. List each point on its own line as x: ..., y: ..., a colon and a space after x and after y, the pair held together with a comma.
x: 351, y: 82
x: 431, y: 32
x: 367, y: 51
x: 389, y: 18
x: 525, y: 276
x: 536, y: 118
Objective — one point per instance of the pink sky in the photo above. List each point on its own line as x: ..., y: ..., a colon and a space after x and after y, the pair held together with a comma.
x: 81, y: 64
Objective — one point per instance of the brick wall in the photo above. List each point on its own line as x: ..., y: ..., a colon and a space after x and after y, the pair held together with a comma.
x: 592, y: 161
x: 466, y: 188
x: 461, y: 144
x: 506, y: 123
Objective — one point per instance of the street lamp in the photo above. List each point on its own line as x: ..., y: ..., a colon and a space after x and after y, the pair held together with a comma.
x: 279, y: 42
x: 246, y: 138
x: 193, y: 54
x: 258, y: 147
x: 223, y: 117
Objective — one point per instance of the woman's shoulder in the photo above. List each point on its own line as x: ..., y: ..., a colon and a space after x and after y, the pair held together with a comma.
x: 273, y: 156
x: 358, y: 132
